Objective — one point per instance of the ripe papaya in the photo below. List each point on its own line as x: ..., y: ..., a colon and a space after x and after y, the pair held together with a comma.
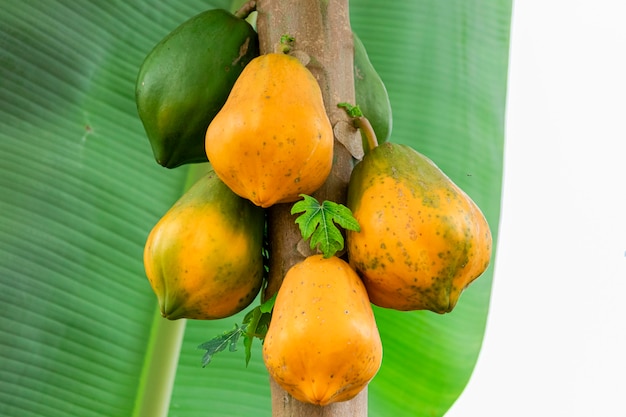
x: 422, y: 239
x: 184, y: 81
x: 203, y: 258
x: 371, y: 94
x: 272, y: 140
x: 322, y: 345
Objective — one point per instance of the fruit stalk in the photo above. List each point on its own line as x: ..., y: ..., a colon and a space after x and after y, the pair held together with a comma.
x: 323, y: 41
x: 367, y: 130
x: 245, y: 9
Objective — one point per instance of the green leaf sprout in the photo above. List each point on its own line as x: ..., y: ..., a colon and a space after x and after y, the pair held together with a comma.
x: 318, y: 223
x: 255, y: 324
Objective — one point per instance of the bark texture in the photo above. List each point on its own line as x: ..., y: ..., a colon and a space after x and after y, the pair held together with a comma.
x: 323, y: 42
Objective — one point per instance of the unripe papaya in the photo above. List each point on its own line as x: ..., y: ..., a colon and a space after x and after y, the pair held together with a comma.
x: 272, y: 140
x: 322, y: 345
x: 203, y: 258
x: 422, y: 239
x: 185, y: 80
x: 371, y: 94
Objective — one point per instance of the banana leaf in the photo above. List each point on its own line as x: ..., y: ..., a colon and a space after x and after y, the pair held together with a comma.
x: 79, y: 192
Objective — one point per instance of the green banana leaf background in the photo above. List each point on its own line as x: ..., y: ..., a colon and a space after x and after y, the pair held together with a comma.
x: 79, y: 192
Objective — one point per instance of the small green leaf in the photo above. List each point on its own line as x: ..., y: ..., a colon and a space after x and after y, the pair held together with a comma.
x: 247, y: 344
x: 268, y: 305
x: 286, y: 43
x: 353, y: 111
x: 257, y: 320
x: 318, y: 223
x: 287, y: 39
x: 251, y: 321
x: 219, y: 343
x: 255, y: 324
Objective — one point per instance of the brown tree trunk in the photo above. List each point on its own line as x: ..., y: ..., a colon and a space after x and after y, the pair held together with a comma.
x: 323, y: 41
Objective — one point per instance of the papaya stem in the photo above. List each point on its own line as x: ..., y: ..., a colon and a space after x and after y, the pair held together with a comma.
x: 361, y: 122
x: 366, y: 128
x: 245, y: 10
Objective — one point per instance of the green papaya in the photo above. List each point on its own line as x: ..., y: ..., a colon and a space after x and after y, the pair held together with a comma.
x: 371, y: 94
x: 186, y: 78
x: 204, y: 256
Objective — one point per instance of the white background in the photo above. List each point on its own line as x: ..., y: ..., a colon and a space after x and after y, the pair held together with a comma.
x: 556, y: 335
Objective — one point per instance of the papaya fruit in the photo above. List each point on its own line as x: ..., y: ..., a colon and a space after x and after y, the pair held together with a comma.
x: 371, y: 94
x: 185, y: 79
x: 203, y: 257
x: 422, y: 240
x: 322, y: 345
x: 272, y: 139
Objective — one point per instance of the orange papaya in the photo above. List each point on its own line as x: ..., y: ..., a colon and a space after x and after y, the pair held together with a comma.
x: 272, y: 140
x: 322, y: 345
x: 204, y: 256
x: 422, y: 240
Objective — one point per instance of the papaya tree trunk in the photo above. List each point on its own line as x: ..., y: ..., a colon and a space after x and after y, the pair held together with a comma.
x: 323, y: 42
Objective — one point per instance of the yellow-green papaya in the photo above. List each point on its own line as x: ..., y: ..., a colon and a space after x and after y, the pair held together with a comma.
x: 422, y: 240
x: 371, y: 94
x: 186, y: 78
x: 204, y: 256
x: 322, y: 345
